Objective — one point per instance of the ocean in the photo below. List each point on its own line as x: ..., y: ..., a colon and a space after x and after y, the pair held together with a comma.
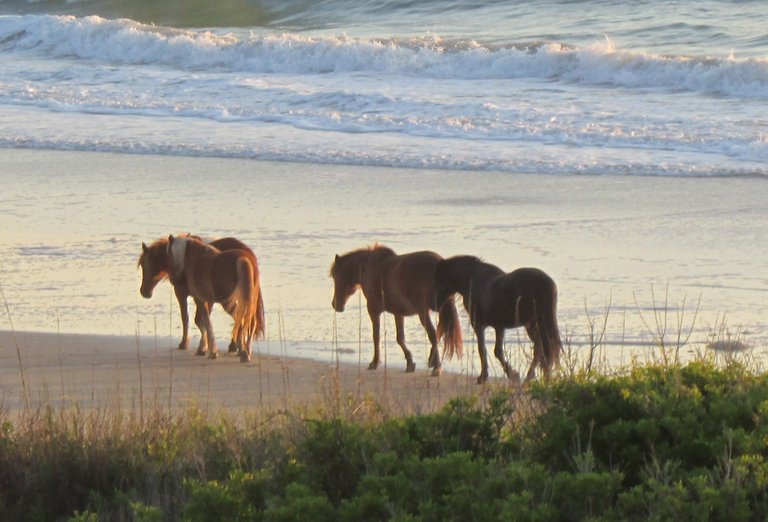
x: 554, y: 87
x: 559, y: 91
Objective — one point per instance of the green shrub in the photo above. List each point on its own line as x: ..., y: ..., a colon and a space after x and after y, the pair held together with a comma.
x: 298, y: 504
x: 660, y: 443
x: 688, y: 415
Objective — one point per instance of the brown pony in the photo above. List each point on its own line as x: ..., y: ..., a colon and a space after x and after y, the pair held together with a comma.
x: 157, y: 262
x: 526, y: 297
x: 403, y: 286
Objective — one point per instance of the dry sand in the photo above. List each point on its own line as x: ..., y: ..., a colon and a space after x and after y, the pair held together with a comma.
x: 103, y: 372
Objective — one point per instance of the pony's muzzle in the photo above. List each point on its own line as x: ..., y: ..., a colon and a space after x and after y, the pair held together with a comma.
x: 146, y: 293
x: 339, y: 307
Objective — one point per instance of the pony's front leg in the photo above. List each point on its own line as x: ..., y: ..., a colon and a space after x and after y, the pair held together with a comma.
x: 203, y: 319
x: 376, y: 328
x: 181, y: 296
x: 498, y: 351
x: 434, y: 352
x: 410, y: 366
x: 213, y: 352
x: 480, y: 334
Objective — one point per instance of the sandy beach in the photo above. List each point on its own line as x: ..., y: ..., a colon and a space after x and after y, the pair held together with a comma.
x: 634, y: 258
x: 96, y: 372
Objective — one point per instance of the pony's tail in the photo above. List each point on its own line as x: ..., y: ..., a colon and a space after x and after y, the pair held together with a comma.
x: 448, y: 325
x: 552, y: 345
x: 247, y: 299
x: 261, y: 325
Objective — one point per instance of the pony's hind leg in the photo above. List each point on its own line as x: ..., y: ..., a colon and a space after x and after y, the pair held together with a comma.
x: 498, y: 351
x: 434, y: 352
x: 243, y: 344
x: 534, y: 335
x: 234, y: 346
x: 410, y: 366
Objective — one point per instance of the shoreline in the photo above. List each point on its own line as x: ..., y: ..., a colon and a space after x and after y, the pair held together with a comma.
x: 98, y: 372
x: 634, y: 258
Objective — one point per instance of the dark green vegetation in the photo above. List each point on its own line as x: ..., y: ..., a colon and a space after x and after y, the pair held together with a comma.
x: 660, y: 443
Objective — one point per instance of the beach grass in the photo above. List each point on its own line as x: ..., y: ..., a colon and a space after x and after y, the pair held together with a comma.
x: 597, y: 446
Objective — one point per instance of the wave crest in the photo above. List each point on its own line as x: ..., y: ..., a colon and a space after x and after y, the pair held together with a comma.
x: 130, y: 42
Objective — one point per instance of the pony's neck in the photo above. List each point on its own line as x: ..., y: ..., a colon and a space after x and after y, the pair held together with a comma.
x: 464, y: 272
x: 356, y: 264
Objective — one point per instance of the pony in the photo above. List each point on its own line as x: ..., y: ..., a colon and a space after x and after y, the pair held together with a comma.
x: 402, y: 285
x: 157, y: 264
x: 525, y: 297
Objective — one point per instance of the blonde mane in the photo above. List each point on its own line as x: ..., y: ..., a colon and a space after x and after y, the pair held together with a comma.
x: 177, y: 251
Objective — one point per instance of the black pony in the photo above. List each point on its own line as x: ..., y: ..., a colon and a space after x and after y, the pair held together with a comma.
x: 526, y: 297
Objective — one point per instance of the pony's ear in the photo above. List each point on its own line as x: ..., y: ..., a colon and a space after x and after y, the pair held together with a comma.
x: 144, y: 247
x: 170, y: 239
x: 337, y: 259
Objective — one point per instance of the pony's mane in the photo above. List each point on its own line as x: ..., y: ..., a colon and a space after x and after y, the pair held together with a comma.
x: 374, y: 248
x: 473, y: 259
x: 464, y: 266
x: 177, y: 251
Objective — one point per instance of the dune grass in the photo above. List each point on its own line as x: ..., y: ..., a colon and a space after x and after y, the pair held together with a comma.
x: 659, y: 442
x: 669, y: 436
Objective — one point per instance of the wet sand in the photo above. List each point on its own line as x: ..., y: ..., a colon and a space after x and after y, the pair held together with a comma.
x: 635, y: 258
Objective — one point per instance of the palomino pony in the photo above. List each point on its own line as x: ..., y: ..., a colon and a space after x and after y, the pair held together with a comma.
x: 403, y: 286
x: 209, y: 275
x: 526, y: 297
x: 155, y: 262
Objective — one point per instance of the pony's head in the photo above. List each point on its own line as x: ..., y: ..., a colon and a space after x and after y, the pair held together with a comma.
x: 154, y: 266
x: 346, y: 280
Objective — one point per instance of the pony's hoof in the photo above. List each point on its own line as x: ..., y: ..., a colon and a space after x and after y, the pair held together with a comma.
x: 482, y: 379
x: 183, y: 346
x: 245, y: 356
x: 373, y: 365
x: 200, y: 352
x: 410, y: 367
x: 233, y: 348
x: 436, y: 372
x: 213, y: 355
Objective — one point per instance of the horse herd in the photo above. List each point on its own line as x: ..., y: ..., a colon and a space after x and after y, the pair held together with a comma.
x: 226, y: 271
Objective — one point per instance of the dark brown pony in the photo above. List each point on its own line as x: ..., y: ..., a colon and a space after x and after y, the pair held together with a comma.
x: 156, y: 263
x: 526, y: 297
x: 403, y: 286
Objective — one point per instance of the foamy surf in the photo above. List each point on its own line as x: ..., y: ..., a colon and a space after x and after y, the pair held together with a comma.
x: 125, y: 42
